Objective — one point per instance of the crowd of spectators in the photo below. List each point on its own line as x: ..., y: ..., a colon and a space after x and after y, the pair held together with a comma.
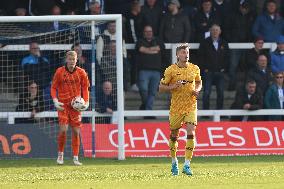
x: 149, y: 24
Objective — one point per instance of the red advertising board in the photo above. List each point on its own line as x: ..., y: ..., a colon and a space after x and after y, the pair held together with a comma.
x: 212, y: 139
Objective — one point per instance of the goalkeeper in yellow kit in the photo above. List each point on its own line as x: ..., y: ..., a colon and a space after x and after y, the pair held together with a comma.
x: 183, y: 80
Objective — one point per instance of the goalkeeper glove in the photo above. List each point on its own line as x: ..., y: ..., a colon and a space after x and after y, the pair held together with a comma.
x: 58, y: 105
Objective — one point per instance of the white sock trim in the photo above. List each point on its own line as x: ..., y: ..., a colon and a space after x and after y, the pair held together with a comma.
x: 60, y: 153
x: 174, y: 160
x: 187, y: 162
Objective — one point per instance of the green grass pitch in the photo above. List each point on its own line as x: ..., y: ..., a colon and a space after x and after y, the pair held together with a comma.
x: 144, y: 173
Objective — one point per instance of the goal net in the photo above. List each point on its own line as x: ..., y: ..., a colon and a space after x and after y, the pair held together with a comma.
x: 31, y: 49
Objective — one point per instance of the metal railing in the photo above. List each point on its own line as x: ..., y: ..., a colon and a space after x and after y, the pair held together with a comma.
x: 216, y: 114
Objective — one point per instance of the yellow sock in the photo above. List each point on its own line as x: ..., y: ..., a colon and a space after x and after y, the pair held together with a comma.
x: 189, y: 147
x: 173, y: 148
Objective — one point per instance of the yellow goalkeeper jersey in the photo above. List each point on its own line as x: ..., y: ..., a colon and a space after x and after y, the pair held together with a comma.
x: 182, y: 100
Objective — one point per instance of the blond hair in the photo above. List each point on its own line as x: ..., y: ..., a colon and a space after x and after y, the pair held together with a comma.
x: 182, y: 46
x: 71, y: 53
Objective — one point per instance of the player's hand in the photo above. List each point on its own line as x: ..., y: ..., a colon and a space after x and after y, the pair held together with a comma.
x: 246, y: 106
x: 195, y: 93
x: 176, y: 85
x: 58, y: 105
x: 109, y: 110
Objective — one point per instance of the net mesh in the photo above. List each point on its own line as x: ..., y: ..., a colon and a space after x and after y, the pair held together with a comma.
x: 29, y: 55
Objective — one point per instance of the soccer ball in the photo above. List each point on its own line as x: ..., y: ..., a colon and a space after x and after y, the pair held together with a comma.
x: 77, y: 102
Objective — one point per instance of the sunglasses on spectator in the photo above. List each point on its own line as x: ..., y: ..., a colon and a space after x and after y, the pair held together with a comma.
x: 279, y: 77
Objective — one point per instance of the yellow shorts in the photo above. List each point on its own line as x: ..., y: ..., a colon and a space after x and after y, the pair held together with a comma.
x: 177, y: 121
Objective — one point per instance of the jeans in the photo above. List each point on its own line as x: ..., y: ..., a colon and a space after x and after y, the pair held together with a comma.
x: 148, y: 83
x: 217, y: 79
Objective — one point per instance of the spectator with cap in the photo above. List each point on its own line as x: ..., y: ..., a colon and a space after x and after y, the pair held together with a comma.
x: 269, y: 24
x: 277, y: 57
x: 175, y: 26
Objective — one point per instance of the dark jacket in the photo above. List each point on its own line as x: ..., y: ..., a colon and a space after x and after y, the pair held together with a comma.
x: 152, y: 17
x: 262, y: 79
x: 175, y: 28
x: 237, y: 27
x: 267, y: 28
x: 106, y: 101
x: 202, y: 24
x: 241, y: 98
x: 134, y: 28
x: 248, y: 60
x: 149, y: 61
x: 212, y: 59
x: 27, y: 105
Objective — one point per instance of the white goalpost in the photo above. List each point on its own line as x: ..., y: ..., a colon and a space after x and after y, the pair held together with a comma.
x: 15, y: 38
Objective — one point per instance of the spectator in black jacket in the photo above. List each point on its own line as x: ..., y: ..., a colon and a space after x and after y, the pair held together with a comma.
x: 223, y: 9
x: 213, y: 60
x: 175, y: 26
x: 237, y: 29
x: 134, y: 30
x: 261, y: 74
x: 248, y: 98
x: 151, y: 14
x: 251, y: 3
x: 248, y: 62
x: 204, y: 20
x: 238, y: 25
x: 32, y: 101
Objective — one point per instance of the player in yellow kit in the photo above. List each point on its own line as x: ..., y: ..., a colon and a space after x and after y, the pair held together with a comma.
x: 183, y: 80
